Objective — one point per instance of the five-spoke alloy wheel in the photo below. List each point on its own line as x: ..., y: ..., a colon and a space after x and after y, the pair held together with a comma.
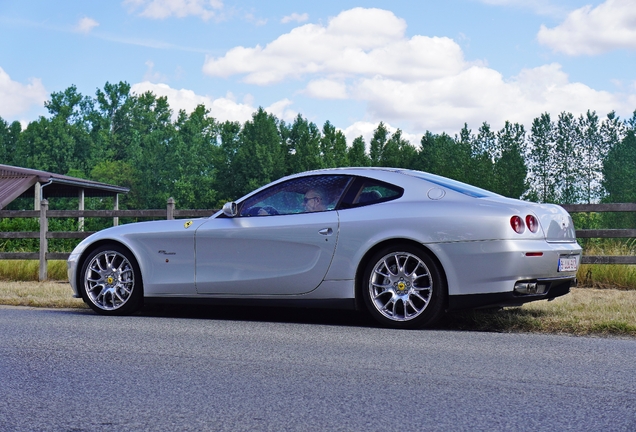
x: 111, y: 281
x: 403, y: 288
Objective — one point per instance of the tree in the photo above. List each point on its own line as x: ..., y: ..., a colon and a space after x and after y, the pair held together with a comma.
x: 378, y: 142
x: 60, y: 143
x: 193, y: 155
x: 357, y: 153
x: 303, y: 146
x: 227, y: 183
x: 442, y: 155
x: 484, y: 152
x: 619, y: 170
x: 619, y: 177
x: 9, y: 136
x: 260, y: 158
x: 333, y: 147
x: 398, y: 152
x: 471, y: 164
x: 47, y: 145
x: 592, y: 152
x: 630, y: 124
x: 510, y: 169
x: 112, y: 129
x: 542, y: 160
x: 568, y: 171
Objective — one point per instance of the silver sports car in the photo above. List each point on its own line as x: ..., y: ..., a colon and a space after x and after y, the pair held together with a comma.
x: 406, y: 246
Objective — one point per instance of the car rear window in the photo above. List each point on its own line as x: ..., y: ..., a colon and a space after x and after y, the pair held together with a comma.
x: 453, y: 185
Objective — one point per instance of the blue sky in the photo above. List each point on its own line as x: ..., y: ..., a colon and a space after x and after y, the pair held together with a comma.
x: 416, y: 65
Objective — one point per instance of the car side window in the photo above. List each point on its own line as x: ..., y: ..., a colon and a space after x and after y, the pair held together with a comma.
x: 299, y: 195
x: 369, y: 191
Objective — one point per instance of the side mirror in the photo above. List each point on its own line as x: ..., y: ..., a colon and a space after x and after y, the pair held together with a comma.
x: 230, y: 209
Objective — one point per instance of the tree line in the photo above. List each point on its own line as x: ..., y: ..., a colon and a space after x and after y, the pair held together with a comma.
x: 134, y: 140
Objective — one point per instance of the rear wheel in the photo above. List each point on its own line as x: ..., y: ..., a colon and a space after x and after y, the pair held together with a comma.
x: 111, y: 281
x: 404, y: 288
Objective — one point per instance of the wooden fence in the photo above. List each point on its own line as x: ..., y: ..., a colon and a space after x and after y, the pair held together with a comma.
x: 170, y: 213
x: 44, y: 234
x: 604, y: 233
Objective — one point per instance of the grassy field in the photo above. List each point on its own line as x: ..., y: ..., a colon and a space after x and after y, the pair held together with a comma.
x: 607, y: 275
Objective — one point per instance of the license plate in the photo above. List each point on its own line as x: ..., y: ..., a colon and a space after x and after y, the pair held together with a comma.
x: 568, y: 264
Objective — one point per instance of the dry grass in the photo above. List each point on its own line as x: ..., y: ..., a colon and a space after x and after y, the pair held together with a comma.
x: 585, y: 311
x: 39, y: 294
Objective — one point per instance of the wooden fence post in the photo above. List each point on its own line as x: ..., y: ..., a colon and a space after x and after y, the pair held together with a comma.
x: 44, y: 243
x: 170, y: 209
x: 116, y: 207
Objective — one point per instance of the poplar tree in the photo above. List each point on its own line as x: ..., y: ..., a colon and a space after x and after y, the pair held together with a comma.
x: 303, y: 146
x: 510, y: 170
x: 377, y: 144
x: 567, y: 158
x: 591, y: 152
x: 357, y: 153
x: 333, y: 147
x: 542, y: 160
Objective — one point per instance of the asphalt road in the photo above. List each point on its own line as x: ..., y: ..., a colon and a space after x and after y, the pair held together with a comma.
x: 201, y: 369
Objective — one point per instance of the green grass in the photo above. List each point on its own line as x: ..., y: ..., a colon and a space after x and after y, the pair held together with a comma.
x: 29, y: 270
x: 617, y: 276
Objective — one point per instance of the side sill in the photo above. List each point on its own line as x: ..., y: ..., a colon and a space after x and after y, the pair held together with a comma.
x: 258, y: 302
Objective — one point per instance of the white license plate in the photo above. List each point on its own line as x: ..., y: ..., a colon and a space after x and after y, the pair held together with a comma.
x: 568, y: 264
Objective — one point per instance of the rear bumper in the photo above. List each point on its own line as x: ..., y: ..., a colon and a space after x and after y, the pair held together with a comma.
x: 556, y: 287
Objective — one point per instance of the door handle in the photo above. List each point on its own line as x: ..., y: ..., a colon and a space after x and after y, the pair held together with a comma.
x: 326, y: 231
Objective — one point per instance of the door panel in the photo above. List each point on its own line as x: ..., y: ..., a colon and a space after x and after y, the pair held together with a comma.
x: 272, y: 255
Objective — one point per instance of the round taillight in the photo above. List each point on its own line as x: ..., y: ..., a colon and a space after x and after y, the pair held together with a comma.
x: 517, y: 224
x: 532, y: 223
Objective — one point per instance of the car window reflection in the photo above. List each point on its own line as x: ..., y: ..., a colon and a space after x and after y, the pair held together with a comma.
x: 296, y: 196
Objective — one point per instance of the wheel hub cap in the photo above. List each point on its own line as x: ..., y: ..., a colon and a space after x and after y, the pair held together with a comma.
x: 109, y: 280
x: 400, y: 286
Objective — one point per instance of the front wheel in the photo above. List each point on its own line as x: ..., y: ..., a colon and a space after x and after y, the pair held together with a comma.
x: 404, y: 288
x: 111, y: 281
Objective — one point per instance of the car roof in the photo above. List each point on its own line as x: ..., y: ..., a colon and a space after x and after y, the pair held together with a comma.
x: 406, y: 178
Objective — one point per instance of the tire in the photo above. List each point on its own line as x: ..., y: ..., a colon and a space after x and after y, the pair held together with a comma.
x: 404, y: 288
x: 110, y: 281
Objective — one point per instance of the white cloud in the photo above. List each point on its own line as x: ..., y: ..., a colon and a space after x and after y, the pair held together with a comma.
x: 589, y: 31
x: 356, y: 42
x: 280, y: 110
x: 326, y: 89
x: 540, y: 7
x: 251, y: 18
x: 85, y: 25
x: 419, y: 83
x: 161, y: 9
x: 222, y: 109
x: 295, y: 17
x: 151, y: 75
x: 17, y: 98
x: 366, y: 129
x: 479, y: 94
